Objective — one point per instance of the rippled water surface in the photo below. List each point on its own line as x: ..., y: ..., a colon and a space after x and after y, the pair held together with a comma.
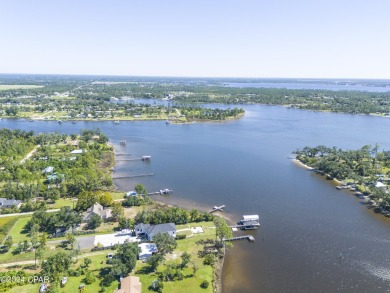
x: 312, y: 238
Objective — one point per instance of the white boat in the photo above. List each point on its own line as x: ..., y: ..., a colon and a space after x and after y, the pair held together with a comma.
x: 146, y: 158
x: 165, y: 191
x: 116, y: 122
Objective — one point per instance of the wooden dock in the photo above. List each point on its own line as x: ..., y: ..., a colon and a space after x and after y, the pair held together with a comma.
x: 124, y: 160
x: 248, y: 237
x: 217, y: 208
x: 165, y: 191
x: 133, y: 176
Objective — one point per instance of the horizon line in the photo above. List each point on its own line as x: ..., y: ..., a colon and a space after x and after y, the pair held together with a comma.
x: 197, y: 77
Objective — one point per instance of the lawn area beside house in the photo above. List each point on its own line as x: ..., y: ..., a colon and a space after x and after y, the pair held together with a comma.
x: 17, y: 232
x: 62, y: 202
x: 189, y: 245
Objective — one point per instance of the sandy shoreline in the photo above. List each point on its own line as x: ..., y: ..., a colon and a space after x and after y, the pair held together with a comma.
x: 299, y: 163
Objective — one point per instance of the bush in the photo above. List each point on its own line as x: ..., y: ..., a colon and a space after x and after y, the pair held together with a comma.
x: 182, y: 236
x: 89, y: 278
x: 205, y: 284
x: 209, y: 259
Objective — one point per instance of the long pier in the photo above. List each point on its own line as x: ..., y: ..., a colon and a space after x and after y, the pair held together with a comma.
x: 133, y: 176
x: 137, y: 159
x: 248, y: 237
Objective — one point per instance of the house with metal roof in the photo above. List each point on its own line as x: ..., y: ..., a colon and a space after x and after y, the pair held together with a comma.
x: 9, y: 203
x: 151, y: 230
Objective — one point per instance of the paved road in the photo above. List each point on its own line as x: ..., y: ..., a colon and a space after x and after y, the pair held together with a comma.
x: 24, y: 214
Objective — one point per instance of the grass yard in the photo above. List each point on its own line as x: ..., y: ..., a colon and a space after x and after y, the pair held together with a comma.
x: 26, y: 288
x: 18, y: 233
x: 6, y: 225
x: 98, y: 262
x: 62, y: 202
x: 117, y: 194
x: 190, y: 283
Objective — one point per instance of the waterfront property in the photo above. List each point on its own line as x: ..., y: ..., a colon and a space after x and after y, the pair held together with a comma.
x: 151, y: 230
x: 248, y: 222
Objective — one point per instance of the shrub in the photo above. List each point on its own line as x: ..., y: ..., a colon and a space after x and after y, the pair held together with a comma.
x: 182, y: 236
x: 205, y: 284
x: 89, y: 278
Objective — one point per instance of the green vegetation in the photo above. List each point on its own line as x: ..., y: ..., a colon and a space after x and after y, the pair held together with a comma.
x: 6, y: 225
x: 182, y: 270
x: 366, y: 169
x: 34, y: 167
x: 172, y: 214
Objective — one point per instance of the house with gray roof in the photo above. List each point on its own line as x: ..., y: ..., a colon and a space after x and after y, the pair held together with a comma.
x: 151, y: 230
x: 9, y: 203
x: 97, y: 209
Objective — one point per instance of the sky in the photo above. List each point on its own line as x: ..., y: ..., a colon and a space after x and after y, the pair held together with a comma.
x: 202, y: 38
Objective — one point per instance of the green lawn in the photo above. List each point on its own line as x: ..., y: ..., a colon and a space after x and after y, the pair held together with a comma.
x: 117, y: 194
x: 189, y: 284
x: 6, y: 225
x: 17, y: 232
x: 62, y: 202
x: 98, y: 262
x: 26, y: 288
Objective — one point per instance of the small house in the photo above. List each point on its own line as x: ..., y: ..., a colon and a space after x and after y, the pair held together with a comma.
x: 9, y: 203
x: 74, y: 152
x: 380, y: 185
x: 129, y: 284
x: 49, y: 169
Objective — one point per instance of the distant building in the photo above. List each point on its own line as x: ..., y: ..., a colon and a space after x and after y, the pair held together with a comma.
x: 151, y: 230
x: 55, y: 178
x: 380, y: 185
x: 97, y: 209
x: 77, y: 151
x: 48, y: 170
x: 9, y: 203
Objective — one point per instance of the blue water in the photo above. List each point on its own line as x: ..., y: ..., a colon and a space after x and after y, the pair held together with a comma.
x: 333, y: 86
x: 306, y: 224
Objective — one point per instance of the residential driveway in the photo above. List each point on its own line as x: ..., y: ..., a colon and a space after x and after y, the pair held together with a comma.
x: 111, y: 239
